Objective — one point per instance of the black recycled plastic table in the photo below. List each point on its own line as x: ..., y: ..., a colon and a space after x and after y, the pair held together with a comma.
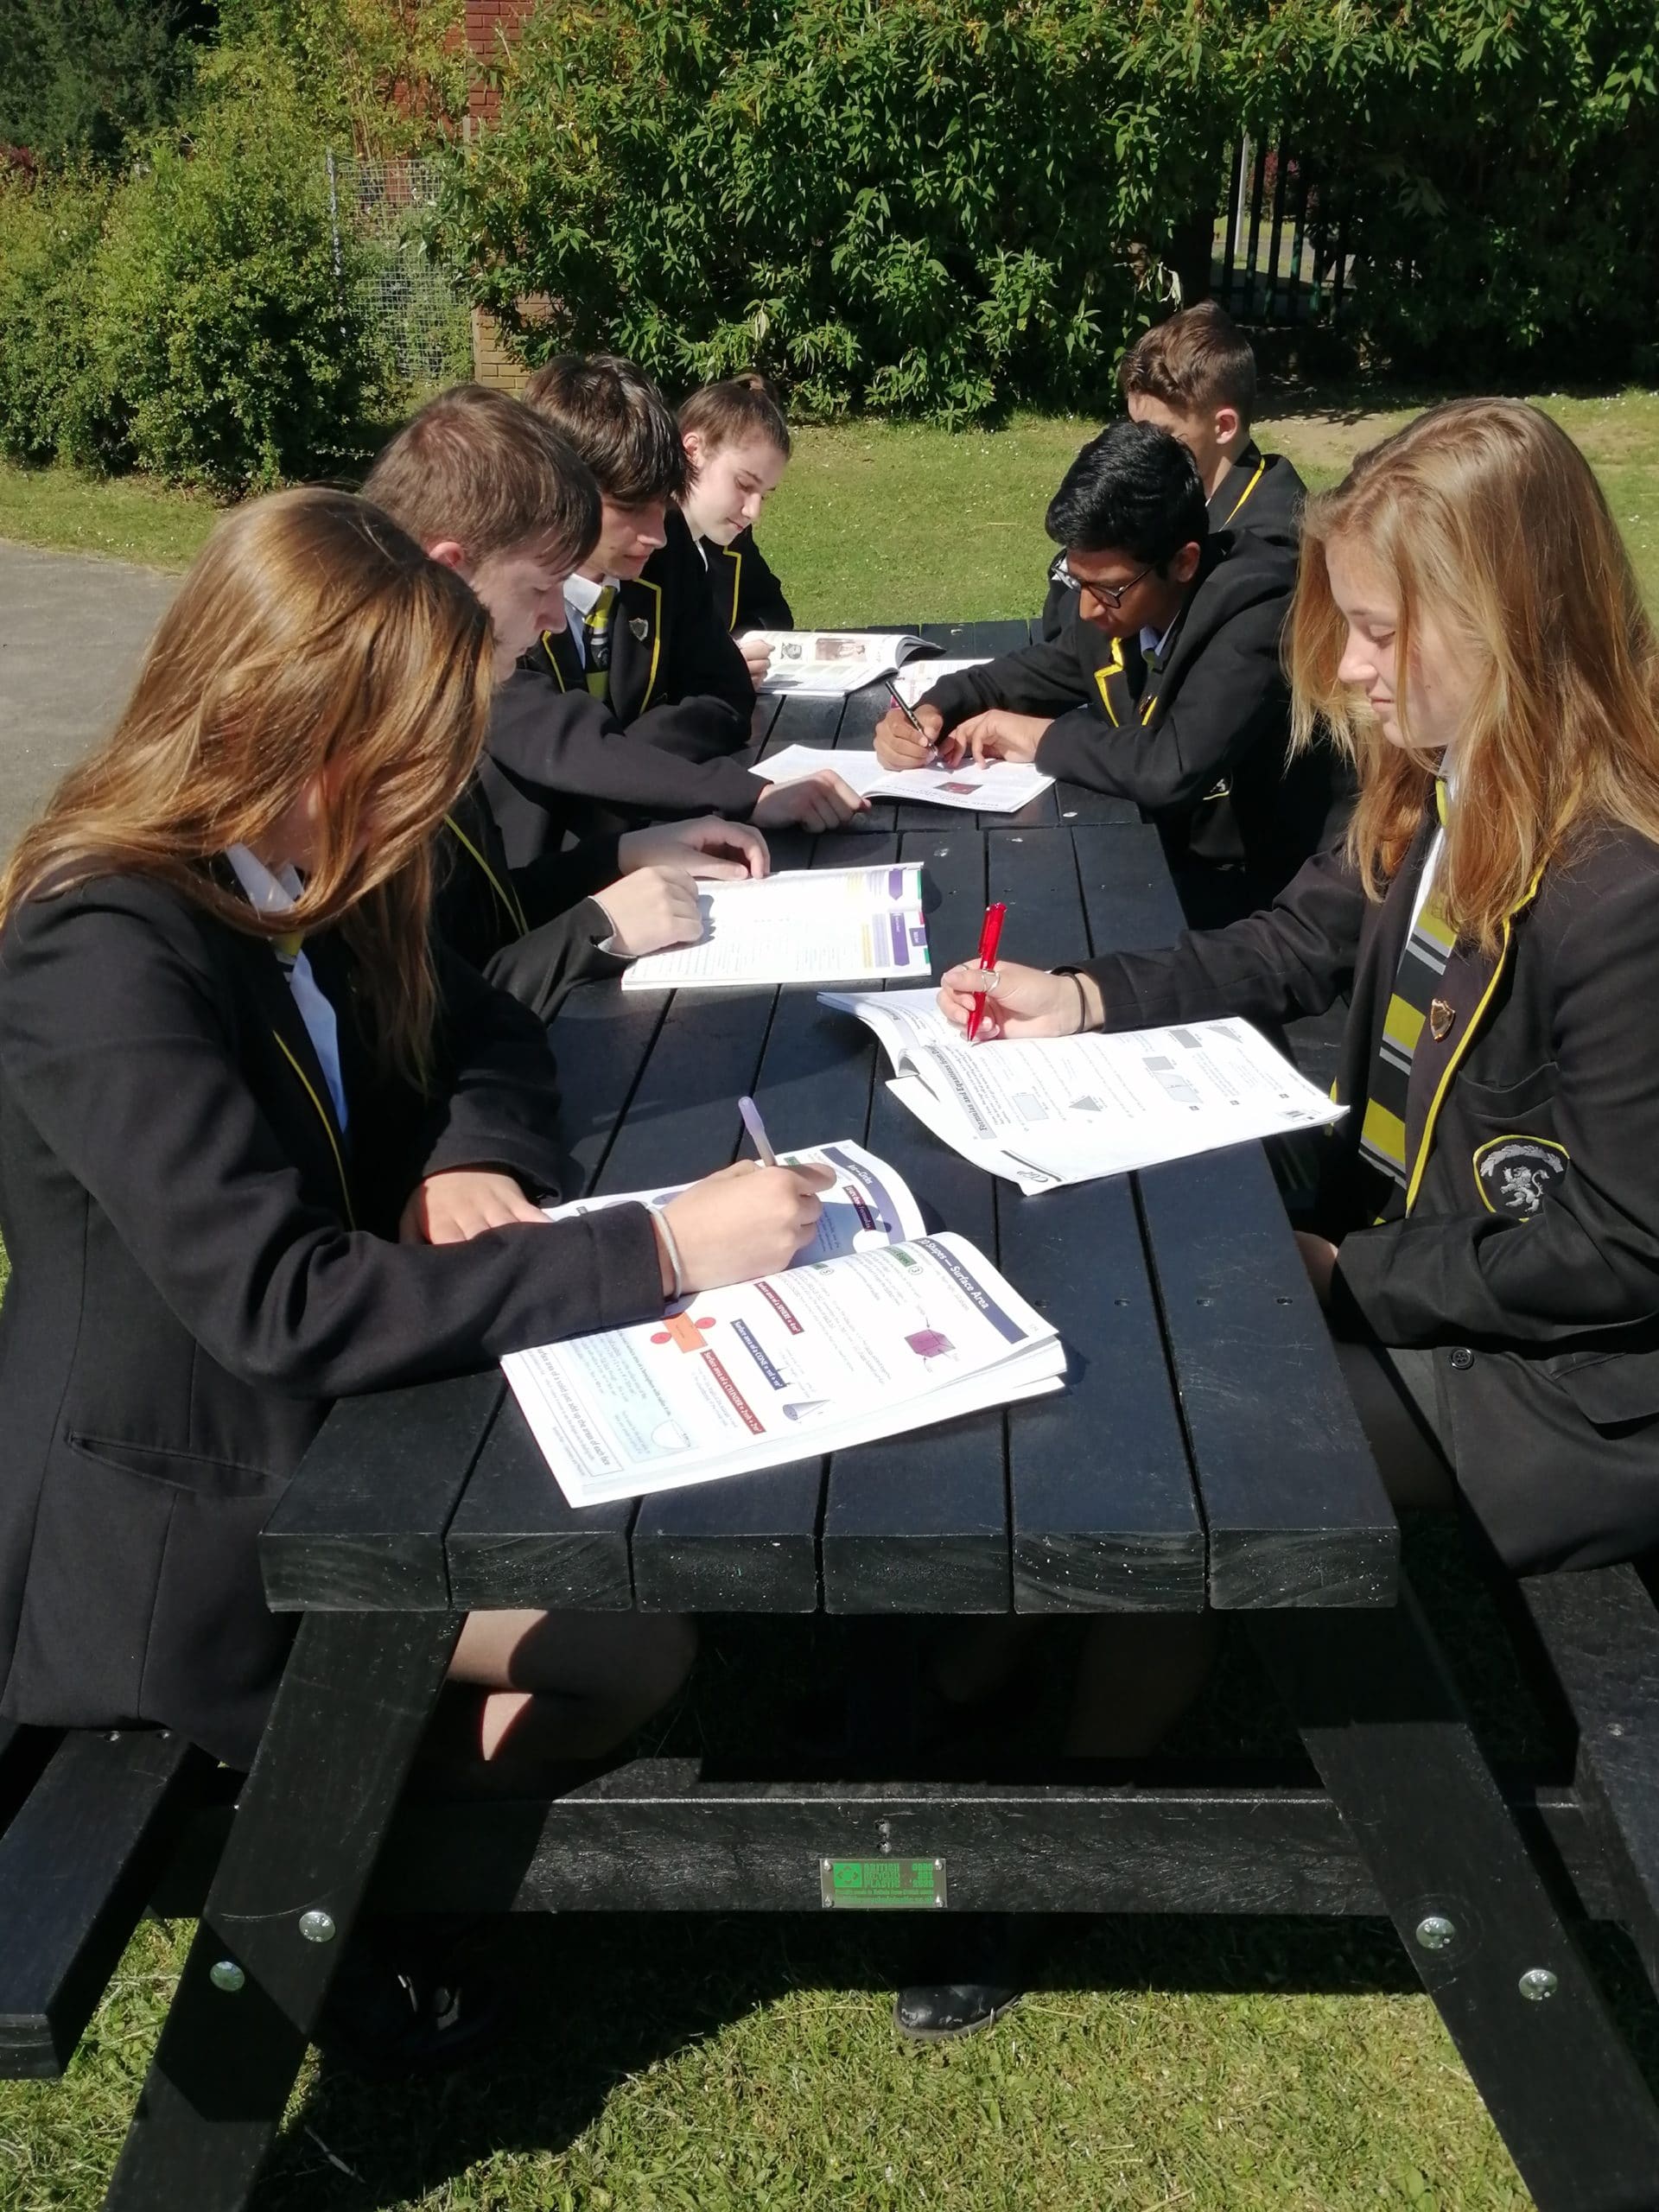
x: 1204, y: 1454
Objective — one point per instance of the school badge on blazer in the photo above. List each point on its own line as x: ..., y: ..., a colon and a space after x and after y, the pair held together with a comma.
x: 640, y: 627
x: 1513, y: 1173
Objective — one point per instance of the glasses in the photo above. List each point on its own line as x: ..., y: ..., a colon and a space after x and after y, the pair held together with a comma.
x: 1112, y: 595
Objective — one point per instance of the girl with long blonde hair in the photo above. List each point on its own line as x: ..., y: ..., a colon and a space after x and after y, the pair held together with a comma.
x: 1467, y: 624
x: 262, y: 1145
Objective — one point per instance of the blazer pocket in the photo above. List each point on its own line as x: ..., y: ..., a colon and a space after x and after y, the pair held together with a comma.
x: 1611, y: 1389
x: 1504, y: 1102
x: 195, y: 1471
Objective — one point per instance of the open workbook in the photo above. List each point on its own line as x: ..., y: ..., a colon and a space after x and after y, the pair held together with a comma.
x: 1066, y: 1109
x: 802, y: 926
x: 876, y: 1328
x: 829, y: 664
x: 999, y: 787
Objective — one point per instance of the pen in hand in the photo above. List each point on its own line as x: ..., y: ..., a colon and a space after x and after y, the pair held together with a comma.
x: 990, y: 937
x: 757, y: 1129
x: 903, y: 705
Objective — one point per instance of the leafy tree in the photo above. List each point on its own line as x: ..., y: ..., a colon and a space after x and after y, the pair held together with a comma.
x: 83, y: 76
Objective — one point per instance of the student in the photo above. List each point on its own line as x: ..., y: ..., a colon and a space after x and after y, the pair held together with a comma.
x: 495, y: 493
x: 1164, y: 685
x: 259, y: 1150
x: 1194, y: 375
x: 1487, y: 1246
x: 637, y: 705
x: 736, y: 449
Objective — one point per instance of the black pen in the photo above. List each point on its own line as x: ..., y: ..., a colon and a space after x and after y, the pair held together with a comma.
x: 899, y: 701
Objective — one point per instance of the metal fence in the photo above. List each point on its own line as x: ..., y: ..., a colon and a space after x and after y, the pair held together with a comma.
x: 408, y: 300
x: 1281, y: 247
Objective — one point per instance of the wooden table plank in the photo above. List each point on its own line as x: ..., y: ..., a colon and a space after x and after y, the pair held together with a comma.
x: 1101, y: 1498
x: 1294, y: 1506
x: 920, y: 1523
x: 750, y: 1543
x: 360, y: 1527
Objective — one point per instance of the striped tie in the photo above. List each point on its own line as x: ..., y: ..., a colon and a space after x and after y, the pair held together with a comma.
x: 1422, y: 964
x: 596, y: 641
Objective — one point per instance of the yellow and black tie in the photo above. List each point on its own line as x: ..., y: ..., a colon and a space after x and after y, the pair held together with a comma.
x: 596, y: 640
x: 1422, y: 965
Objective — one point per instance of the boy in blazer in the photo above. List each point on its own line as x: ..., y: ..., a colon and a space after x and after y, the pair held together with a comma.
x: 1163, y: 685
x: 493, y: 493
x: 634, y: 705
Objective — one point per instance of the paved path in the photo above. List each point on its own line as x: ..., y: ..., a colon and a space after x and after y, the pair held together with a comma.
x: 71, y: 633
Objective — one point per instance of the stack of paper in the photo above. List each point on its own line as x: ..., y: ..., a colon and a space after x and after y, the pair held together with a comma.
x: 999, y: 787
x: 848, y: 1346
x: 829, y: 664
x: 802, y: 926
x: 1069, y: 1108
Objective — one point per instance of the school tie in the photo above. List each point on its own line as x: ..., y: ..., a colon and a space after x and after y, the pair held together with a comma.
x: 596, y: 640
x: 1414, y: 1000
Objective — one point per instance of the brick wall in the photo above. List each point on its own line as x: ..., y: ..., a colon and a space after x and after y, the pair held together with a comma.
x: 489, y: 23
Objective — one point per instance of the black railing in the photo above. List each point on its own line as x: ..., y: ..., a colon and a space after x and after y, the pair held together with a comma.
x: 1280, y: 249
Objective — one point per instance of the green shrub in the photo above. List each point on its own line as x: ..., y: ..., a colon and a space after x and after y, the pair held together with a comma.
x: 943, y: 206
x: 224, y: 327
x: 50, y: 393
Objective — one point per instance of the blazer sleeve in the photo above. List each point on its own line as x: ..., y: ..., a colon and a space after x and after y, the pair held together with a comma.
x: 539, y: 968
x: 1230, y: 698
x: 1048, y: 678
x: 760, y: 602
x: 570, y: 745
x: 1294, y: 958
x: 1589, y: 1259
x: 116, y: 1044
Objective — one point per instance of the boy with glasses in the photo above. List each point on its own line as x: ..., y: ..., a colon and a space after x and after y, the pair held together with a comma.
x: 1163, y: 685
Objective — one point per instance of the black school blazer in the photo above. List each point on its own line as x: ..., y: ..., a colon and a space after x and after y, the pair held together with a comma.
x: 746, y: 593
x: 1199, y: 737
x: 659, y: 746
x: 1526, y: 1255
x: 534, y: 931
x: 201, y: 1262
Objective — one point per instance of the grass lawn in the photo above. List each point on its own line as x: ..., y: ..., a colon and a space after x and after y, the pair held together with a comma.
x: 738, y: 2065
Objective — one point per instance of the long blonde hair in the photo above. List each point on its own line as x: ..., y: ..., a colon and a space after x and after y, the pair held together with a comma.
x: 1485, y: 518
x: 311, y: 638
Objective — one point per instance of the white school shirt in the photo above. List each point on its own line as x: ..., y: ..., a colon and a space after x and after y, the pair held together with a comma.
x: 1150, y: 643
x: 275, y: 894
x: 1431, y: 866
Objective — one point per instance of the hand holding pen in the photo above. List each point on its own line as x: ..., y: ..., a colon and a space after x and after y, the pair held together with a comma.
x: 911, y: 737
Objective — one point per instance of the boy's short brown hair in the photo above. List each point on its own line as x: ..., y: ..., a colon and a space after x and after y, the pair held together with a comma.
x: 617, y: 420
x: 1199, y: 360
x: 477, y: 467
x: 734, y: 411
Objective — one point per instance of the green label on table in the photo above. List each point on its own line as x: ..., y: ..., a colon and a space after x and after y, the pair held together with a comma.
x: 878, y: 1885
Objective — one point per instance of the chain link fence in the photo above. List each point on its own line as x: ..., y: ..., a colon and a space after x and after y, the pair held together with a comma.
x: 410, y: 301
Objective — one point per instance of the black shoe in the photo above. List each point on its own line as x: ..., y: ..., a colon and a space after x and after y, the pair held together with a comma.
x: 400, y: 2007
x: 935, y: 2012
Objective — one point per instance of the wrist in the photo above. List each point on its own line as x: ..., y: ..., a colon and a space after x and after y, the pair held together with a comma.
x: 668, y: 1257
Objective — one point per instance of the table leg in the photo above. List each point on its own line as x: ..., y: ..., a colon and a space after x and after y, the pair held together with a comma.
x: 348, y: 1717
x: 1384, y: 1724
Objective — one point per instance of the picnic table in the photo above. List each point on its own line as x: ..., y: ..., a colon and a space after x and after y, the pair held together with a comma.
x: 1204, y: 1454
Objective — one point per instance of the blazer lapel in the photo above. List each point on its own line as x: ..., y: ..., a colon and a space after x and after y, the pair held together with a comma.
x: 1238, y: 487
x: 300, y: 1102
x: 636, y: 653
x: 1120, y: 680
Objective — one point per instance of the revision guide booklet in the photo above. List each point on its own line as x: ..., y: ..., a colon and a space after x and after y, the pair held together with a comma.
x: 998, y: 787
x: 900, y: 1331
x: 1066, y: 1109
x: 802, y: 926
x: 829, y: 664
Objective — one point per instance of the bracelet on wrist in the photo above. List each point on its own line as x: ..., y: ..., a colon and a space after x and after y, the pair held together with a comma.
x: 666, y: 1234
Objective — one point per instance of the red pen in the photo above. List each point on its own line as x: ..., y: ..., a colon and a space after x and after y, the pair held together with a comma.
x: 989, y: 938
